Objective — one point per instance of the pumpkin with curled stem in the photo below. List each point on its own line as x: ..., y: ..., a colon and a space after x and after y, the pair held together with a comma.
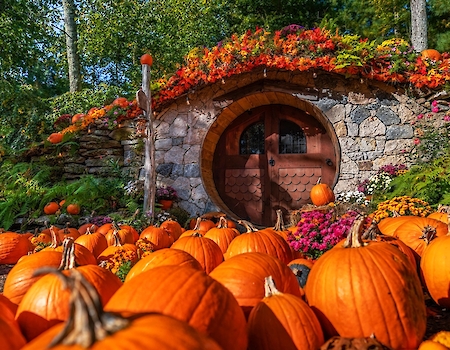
x: 46, y: 302
x: 114, y: 331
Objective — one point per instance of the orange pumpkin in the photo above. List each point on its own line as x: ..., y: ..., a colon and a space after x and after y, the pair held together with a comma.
x: 244, y: 274
x: 94, y: 241
x: 394, y: 309
x: 222, y: 234
x: 73, y: 209
x: 77, y: 117
x: 83, y: 228
x: 283, y: 321
x: 10, y: 334
x: 12, y: 247
x: 114, y: 331
x: 387, y: 226
x: 203, y: 249
x: 431, y: 54
x: 158, y: 236
x: 173, y: 227
x: 55, y: 137
x: 321, y: 194
x: 418, y: 232
x: 46, y: 302
x: 51, y: 208
x: 20, y: 277
x: 262, y: 241
x: 109, y: 252
x: 188, y: 295
x: 161, y: 257
x: 435, y: 270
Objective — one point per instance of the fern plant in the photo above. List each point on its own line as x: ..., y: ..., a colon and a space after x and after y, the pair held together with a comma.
x: 427, y: 181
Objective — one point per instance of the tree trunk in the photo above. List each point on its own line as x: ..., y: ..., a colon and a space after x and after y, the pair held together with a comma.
x: 73, y: 60
x: 419, y: 25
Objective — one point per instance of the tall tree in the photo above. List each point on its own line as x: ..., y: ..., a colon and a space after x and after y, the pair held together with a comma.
x: 419, y: 25
x: 73, y: 61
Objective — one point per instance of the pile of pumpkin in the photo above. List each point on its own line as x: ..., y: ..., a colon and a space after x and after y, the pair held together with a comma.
x: 213, y: 287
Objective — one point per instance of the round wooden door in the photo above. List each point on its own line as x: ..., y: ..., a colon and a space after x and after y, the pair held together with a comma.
x: 269, y: 158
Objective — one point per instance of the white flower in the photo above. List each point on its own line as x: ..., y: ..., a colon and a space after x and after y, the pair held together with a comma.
x: 352, y: 197
x: 378, y: 182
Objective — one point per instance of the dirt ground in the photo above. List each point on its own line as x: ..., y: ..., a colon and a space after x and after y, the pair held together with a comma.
x: 438, y: 318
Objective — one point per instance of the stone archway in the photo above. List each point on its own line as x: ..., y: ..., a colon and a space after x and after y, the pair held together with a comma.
x: 239, y: 107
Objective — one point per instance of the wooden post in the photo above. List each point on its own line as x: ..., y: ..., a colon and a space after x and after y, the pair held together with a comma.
x: 144, y: 101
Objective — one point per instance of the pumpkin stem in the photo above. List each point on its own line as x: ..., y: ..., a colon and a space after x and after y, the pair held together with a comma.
x: 87, y: 322
x: 354, y: 239
x: 197, y: 223
x: 270, y: 288
x: 279, y: 225
x: 318, y: 180
x: 56, y: 242
x: 372, y: 232
x: 248, y: 225
x: 117, y: 241
x: 222, y: 222
x: 68, y: 255
x: 428, y: 234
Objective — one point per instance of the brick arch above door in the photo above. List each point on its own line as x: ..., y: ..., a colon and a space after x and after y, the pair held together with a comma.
x: 245, y: 103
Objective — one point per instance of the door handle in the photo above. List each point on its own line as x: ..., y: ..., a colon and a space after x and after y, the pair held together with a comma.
x: 271, y: 161
x: 329, y: 162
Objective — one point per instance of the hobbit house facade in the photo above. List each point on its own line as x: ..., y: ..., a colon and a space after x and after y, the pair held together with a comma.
x: 259, y: 141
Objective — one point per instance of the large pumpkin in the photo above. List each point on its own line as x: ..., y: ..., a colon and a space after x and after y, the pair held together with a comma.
x: 89, y: 327
x: 321, y: 194
x: 244, y: 275
x: 283, y: 321
x: 188, y: 295
x: 366, y: 288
